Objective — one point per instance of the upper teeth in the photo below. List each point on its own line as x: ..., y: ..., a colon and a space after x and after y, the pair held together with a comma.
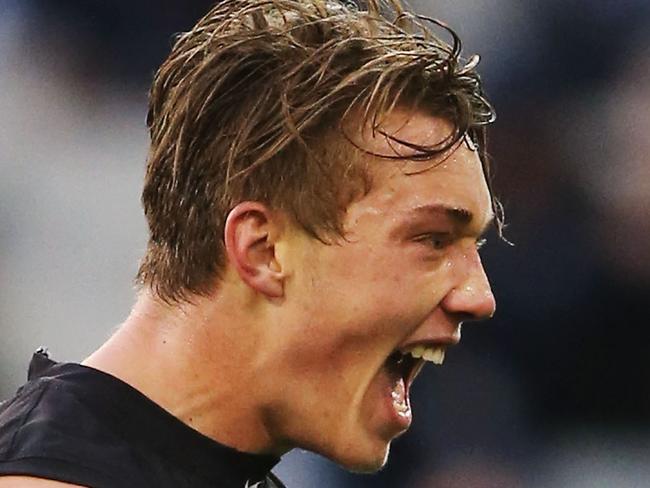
x: 436, y: 354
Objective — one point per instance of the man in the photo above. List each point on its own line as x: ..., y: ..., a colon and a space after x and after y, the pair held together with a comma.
x: 316, y: 192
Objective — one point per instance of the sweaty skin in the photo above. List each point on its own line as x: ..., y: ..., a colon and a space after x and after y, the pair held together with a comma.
x: 407, y: 272
x: 290, y: 349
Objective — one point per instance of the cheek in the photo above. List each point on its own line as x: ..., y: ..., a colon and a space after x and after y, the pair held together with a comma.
x: 362, y: 298
x: 389, y: 288
x: 415, y: 284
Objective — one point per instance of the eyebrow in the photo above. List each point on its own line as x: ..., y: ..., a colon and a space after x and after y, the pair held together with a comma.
x: 458, y: 215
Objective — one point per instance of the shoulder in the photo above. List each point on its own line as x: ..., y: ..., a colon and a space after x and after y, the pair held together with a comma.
x: 48, y: 430
x: 29, y: 482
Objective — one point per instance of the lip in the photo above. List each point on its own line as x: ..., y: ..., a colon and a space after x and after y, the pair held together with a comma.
x: 446, y: 341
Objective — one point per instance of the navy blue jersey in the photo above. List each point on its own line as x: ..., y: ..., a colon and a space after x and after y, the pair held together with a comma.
x: 78, y: 425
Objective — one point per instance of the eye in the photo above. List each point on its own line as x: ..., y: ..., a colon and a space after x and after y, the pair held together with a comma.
x: 436, y: 240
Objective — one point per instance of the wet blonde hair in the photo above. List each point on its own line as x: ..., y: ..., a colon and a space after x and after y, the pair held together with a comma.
x: 250, y: 105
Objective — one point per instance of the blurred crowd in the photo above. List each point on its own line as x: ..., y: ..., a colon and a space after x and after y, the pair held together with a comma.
x: 553, y: 392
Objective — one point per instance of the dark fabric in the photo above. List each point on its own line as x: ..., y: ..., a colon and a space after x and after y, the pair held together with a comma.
x: 76, y: 424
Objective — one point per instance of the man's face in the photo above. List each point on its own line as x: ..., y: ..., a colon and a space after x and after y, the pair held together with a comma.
x: 406, y: 274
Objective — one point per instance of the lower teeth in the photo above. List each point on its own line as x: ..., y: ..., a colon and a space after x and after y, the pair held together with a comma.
x: 399, y: 399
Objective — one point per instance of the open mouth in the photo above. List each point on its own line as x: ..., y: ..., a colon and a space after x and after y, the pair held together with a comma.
x: 403, y: 366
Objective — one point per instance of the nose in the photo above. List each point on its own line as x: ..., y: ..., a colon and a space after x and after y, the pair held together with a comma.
x: 472, y: 297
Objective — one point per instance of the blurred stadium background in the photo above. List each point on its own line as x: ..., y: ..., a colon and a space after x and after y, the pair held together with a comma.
x: 554, y: 392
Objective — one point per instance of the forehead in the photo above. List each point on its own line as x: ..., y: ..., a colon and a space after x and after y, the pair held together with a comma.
x: 454, y: 180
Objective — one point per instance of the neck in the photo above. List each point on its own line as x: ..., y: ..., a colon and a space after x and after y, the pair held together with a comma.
x: 202, y: 370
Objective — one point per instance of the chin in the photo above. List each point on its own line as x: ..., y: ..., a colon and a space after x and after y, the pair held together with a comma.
x: 363, y: 462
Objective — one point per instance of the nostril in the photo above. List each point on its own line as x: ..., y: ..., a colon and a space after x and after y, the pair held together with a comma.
x: 474, y: 313
x: 463, y: 317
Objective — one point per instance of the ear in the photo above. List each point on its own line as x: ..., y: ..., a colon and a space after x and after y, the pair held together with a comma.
x: 250, y: 234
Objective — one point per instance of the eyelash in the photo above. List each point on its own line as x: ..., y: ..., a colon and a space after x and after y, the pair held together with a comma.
x: 439, y: 241
x: 436, y: 240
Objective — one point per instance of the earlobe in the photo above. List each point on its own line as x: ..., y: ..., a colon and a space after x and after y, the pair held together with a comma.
x: 250, y: 234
